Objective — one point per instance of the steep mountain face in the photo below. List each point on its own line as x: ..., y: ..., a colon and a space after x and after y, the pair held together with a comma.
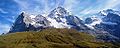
x: 26, y: 22
x: 58, y: 18
x: 107, y: 20
x: 19, y: 24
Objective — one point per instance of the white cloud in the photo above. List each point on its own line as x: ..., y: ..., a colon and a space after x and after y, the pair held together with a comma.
x: 4, y: 28
x: 33, y: 7
x: 111, y: 4
x: 26, y: 5
x: 69, y: 4
x: 99, y: 6
x: 23, y: 4
x: 2, y: 11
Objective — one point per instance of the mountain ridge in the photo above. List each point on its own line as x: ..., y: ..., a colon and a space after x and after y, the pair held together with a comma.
x: 106, y: 20
x: 58, y: 18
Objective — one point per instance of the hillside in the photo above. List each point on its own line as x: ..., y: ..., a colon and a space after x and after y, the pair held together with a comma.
x: 51, y: 38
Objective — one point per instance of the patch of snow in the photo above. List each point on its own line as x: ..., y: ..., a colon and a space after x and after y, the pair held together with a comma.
x: 33, y: 23
x: 95, y: 21
x: 63, y: 20
x: 56, y: 24
x: 110, y: 23
x: 103, y: 13
x: 38, y: 25
x: 89, y: 26
x: 116, y: 12
x: 32, y: 16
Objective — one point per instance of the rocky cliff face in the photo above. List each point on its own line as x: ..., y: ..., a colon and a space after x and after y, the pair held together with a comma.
x: 19, y: 24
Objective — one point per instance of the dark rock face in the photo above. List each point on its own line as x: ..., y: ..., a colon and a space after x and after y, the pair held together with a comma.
x: 19, y: 24
x: 88, y: 20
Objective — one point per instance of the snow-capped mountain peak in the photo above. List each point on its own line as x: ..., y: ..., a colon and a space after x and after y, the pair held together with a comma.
x: 105, y: 12
x: 92, y: 21
x: 58, y: 12
x: 95, y: 21
x: 57, y: 18
x: 106, y: 20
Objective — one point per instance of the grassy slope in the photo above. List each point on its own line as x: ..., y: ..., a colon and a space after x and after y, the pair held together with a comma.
x: 50, y: 38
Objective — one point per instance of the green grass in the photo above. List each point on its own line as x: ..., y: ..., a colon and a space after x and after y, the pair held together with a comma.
x: 51, y: 38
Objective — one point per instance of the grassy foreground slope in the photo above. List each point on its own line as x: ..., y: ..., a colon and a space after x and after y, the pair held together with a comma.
x: 51, y: 38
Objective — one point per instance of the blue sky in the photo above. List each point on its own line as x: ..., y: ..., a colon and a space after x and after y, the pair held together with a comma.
x: 10, y: 9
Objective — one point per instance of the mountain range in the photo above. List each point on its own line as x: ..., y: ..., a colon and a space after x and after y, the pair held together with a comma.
x: 106, y: 20
x: 58, y: 18
x: 104, y: 25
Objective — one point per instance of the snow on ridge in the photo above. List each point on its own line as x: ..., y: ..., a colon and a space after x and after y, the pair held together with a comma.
x: 32, y: 16
x: 89, y: 26
x: 110, y: 23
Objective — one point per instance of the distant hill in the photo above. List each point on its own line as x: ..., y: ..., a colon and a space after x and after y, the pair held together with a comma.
x: 52, y: 38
